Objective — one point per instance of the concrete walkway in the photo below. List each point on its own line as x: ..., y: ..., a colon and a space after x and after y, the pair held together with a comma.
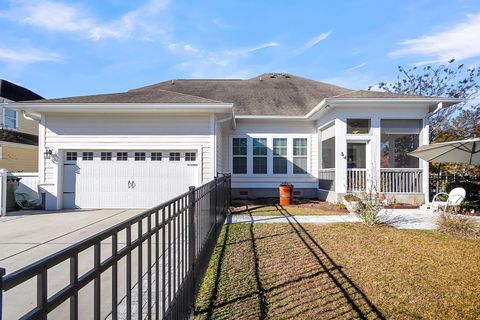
x: 398, y: 218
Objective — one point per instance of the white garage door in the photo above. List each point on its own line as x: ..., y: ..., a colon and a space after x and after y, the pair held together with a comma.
x: 126, y: 179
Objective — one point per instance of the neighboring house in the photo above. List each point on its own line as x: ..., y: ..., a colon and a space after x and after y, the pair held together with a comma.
x: 141, y: 147
x: 18, y: 136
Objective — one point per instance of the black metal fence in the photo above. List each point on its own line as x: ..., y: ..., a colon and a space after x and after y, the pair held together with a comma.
x: 148, y: 267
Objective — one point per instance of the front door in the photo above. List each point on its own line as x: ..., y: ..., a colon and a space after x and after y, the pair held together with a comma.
x: 356, y: 166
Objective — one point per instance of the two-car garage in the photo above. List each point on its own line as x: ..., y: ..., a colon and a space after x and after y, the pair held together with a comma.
x: 127, y: 178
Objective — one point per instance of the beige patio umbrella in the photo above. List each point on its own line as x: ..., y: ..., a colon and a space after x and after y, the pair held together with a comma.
x: 465, y: 151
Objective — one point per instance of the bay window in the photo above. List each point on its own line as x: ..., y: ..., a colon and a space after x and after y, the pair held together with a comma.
x: 300, y: 159
x: 239, y: 146
x: 280, y: 156
x: 259, y: 148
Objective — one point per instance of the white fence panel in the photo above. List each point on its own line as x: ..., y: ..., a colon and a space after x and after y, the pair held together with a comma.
x: 28, y: 183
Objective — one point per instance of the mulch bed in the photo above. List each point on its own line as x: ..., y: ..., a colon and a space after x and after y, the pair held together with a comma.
x: 298, y: 203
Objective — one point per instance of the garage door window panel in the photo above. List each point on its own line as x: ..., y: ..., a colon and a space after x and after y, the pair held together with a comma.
x: 156, y: 156
x: 190, y: 156
x: 105, y: 156
x: 140, y: 156
x: 87, y: 156
x: 71, y: 156
x: 122, y: 156
x: 174, y: 156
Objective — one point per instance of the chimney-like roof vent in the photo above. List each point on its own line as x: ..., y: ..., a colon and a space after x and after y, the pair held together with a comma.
x: 172, y: 82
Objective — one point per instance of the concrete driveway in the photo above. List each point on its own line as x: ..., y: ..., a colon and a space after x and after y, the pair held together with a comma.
x: 28, y: 236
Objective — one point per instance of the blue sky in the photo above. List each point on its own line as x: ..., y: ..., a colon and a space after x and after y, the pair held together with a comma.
x: 63, y: 48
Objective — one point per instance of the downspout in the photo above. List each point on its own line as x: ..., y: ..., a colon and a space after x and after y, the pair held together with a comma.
x: 30, y: 117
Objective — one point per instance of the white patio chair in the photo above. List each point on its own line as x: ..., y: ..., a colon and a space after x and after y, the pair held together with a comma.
x: 454, y: 199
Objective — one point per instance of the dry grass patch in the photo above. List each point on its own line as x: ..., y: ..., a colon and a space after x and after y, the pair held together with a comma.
x: 285, y: 271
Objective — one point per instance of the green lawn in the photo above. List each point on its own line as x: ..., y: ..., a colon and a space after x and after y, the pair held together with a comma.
x: 292, y: 271
x: 277, y: 210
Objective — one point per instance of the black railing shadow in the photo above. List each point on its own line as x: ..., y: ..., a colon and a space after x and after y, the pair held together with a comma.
x: 315, y: 288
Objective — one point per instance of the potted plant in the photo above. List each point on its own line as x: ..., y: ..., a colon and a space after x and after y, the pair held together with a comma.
x: 286, y: 193
x: 351, y: 202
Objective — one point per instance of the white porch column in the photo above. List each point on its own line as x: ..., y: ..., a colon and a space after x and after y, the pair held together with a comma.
x: 374, y: 179
x: 425, y: 139
x: 340, y: 156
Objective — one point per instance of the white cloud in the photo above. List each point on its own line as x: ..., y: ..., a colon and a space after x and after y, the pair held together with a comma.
x: 358, y: 66
x: 66, y: 17
x: 460, y: 41
x: 189, y: 48
x: 316, y: 40
x: 244, y: 51
x: 27, y: 55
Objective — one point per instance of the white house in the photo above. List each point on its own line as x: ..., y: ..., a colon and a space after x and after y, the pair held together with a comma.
x: 139, y: 148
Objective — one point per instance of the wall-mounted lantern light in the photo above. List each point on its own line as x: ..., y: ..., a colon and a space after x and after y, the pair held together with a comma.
x: 48, y: 153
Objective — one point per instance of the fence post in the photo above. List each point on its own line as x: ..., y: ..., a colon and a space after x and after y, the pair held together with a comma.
x: 2, y: 273
x: 191, y: 239
x: 3, y: 192
x: 215, y: 202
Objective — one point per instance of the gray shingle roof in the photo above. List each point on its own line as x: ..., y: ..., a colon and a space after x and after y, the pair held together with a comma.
x: 15, y: 92
x: 280, y: 94
x: 266, y: 94
x: 150, y: 96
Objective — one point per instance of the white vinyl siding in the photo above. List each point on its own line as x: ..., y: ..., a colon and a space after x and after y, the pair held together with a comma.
x: 128, y: 132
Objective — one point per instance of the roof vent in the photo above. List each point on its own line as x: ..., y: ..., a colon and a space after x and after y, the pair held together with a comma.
x: 260, y: 79
x: 172, y: 82
x: 273, y: 75
x: 286, y: 75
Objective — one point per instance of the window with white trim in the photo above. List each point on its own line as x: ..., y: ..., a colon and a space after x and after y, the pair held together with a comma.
x: 10, y: 118
x: 190, y: 156
x: 174, y: 156
x: 239, y: 151
x: 156, y: 156
x: 87, y: 156
x: 280, y: 163
x: 122, y: 156
x: 71, y: 156
x: 300, y: 159
x: 139, y: 156
x: 259, y: 148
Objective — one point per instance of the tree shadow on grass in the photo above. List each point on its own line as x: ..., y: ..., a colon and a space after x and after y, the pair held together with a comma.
x: 279, y: 271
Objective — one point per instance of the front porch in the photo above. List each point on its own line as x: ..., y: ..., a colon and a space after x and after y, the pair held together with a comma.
x: 358, y: 155
x: 405, y: 184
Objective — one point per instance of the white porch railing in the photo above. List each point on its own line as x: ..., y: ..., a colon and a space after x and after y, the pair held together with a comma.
x: 401, y: 180
x: 356, y: 180
x: 326, y: 179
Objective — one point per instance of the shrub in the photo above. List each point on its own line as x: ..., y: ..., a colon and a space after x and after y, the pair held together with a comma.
x: 340, y: 205
x: 351, y: 197
x: 471, y: 187
x: 458, y: 226
x: 369, y: 207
